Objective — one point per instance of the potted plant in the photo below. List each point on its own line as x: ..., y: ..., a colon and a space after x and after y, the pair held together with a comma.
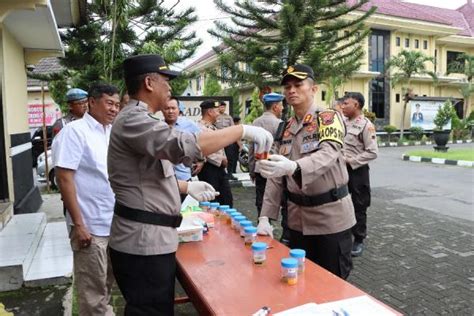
x: 442, y: 118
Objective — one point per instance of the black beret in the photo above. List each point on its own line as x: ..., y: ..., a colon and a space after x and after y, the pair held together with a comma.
x: 209, y: 104
x: 143, y: 64
x: 298, y: 71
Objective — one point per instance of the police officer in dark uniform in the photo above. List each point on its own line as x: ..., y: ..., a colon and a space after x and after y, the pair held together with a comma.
x: 311, y: 170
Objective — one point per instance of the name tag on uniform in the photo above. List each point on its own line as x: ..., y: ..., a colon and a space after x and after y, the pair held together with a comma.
x: 309, y: 147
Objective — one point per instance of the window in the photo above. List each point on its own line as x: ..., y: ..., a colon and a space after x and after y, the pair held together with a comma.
x: 397, y: 97
x: 198, y: 83
x: 425, y: 44
x: 407, y: 42
x: 436, y: 60
x: 377, y: 52
x: 397, y: 41
x: 323, y: 95
x: 455, y: 62
x: 378, y: 97
x: 417, y: 43
x: 224, y: 72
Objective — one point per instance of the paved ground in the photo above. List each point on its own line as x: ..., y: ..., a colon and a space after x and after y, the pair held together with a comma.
x: 420, y: 250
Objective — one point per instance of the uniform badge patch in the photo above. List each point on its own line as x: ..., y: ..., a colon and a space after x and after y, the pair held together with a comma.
x: 327, y: 118
x: 307, y: 118
x: 286, y: 133
x: 311, y: 127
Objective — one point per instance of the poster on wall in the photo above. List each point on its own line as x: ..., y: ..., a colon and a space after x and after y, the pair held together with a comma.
x: 423, y: 112
x: 35, y: 114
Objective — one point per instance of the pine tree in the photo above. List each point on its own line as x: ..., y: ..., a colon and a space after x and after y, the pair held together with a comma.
x: 211, y: 86
x: 268, y: 36
x: 117, y: 29
x: 256, y: 107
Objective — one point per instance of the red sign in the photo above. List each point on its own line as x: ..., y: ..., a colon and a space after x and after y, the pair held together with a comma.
x: 35, y: 114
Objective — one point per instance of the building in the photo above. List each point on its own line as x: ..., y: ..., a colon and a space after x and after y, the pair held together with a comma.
x: 28, y: 32
x: 396, y: 25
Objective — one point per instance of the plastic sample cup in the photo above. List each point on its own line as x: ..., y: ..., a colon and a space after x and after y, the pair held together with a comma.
x: 205, y: 206
x: 259, y: 253
x: 237, y: 219
x: 300, y: 255
x: 250, y: 235
x: 230, y: 213
x: 232, y: 220
x: 244, y: 224
x: 213, y: 208
x: 222, y: 210
x: 289, y: 270
x: 239, y: 226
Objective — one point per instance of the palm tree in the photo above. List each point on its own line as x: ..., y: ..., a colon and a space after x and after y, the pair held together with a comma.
x: 403, y: 68
x: 465, y: 65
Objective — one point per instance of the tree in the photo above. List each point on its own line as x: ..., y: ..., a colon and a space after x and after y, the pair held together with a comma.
x: 267, y: 36
x: 256, y: 107
x: 117, y: 29
x: 403, y: 68
x: 211, y: 86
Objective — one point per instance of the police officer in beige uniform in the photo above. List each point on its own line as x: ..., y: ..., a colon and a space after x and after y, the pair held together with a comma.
x: 142, y: 151
x: 311, y: 169
x: 225, y: 120
x: 360, y: 147
x: 213, y: 171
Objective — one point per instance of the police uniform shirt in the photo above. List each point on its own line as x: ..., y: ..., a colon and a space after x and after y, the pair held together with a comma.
x: 269, y: 122
x: 316, y: 145
x: 360, y: 142
x: 217, y: 157
x: 223, y: 121
x: 142, y: 152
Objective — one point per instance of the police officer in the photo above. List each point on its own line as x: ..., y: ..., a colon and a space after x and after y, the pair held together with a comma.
x: 311, y: 169
x: 360, y: 147
x: 225, y: 120
x: 213, y: 171
x: 142, y: 151
x: 77, y: 103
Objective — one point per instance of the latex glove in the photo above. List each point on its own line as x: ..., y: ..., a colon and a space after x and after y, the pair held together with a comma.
x: 261, y: 138
x: 277, y: 166
x: 201, y: 191
x: 264, y: 227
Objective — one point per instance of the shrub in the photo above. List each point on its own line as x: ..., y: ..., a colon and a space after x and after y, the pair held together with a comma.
x: 416, y: 132
x: 370, y: 115
x: 389, y: 129
x: 444, y: 115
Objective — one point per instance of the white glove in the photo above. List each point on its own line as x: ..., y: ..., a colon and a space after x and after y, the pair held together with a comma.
x: 264, y: 227
x: 277, y: 166
x: 201, y: 191
x: 261, y: 138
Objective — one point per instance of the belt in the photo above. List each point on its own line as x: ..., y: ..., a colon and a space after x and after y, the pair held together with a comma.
x: 320, y: 199
x: 146, y: 217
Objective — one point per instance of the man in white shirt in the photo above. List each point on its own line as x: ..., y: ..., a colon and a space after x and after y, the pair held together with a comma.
x: 80, y: 158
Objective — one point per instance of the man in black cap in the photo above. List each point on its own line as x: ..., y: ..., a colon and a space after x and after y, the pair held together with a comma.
x: 213, y: 171
x: 142, y: 151
x: 311, y: 170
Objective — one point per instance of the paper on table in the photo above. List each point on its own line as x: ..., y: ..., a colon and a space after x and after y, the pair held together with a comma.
x: 189, y: 201
x: 356, y: 306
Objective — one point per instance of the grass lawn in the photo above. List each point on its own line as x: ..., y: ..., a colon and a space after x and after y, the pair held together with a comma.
x: 452, y: 154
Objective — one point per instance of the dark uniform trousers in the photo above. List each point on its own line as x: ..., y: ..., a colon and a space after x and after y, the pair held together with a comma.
x: 359, y: 187
x: 260, y: 183
x: 146, y: 282
x: 232, y: 154
x: 217, y: 177
x: 331, y: 251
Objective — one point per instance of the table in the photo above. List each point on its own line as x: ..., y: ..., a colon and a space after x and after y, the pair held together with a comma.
x: 220, y: 278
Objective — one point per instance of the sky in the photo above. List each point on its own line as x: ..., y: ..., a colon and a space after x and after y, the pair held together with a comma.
x: 207, y: 13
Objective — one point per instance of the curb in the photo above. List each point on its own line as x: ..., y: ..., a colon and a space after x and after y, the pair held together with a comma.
x: 439, y: 161
x: 420, y: 143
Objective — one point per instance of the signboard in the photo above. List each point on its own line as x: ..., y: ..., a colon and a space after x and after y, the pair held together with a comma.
x: 35, y: 114
x: 423, y: 112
